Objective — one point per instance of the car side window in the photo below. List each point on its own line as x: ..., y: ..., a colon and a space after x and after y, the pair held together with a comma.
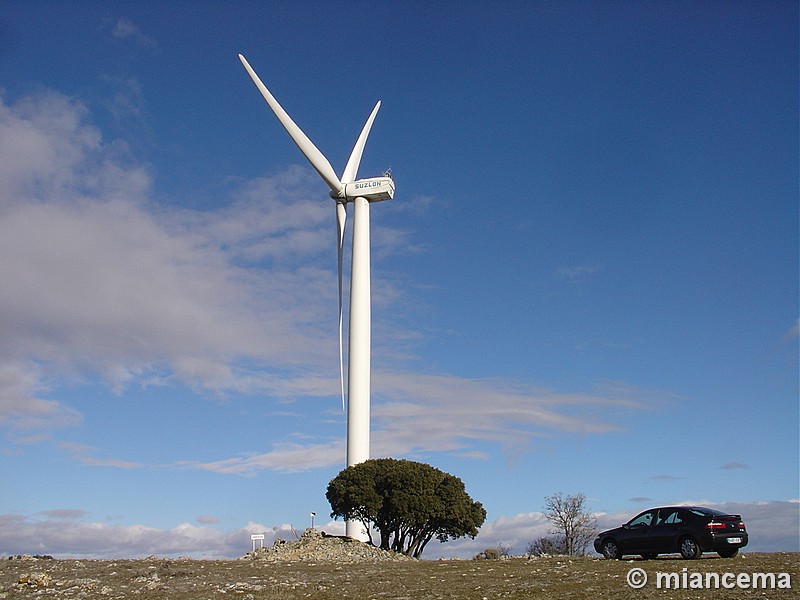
x: 643, y: 520
x: 673, y: 518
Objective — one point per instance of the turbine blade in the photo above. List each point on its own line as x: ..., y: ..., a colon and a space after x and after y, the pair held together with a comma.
x: 341, y: 216
x: 349, y: 175
x: 307, y: 147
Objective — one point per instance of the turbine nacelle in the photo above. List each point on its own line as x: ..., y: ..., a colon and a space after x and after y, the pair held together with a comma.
x: 373, y: 189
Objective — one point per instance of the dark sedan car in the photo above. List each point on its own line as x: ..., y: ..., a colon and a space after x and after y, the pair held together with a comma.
x: 690, y: 530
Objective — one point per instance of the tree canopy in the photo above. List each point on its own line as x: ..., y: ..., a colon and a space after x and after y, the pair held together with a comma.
x: 408, y: 503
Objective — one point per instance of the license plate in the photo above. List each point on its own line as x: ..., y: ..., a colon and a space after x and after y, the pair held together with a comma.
x: 734, y: 540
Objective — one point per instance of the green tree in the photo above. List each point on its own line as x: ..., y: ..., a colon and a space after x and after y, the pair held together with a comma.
x: 408, y: 503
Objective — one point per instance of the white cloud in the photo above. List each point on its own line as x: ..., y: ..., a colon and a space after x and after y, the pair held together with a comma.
x: 66, y: 514
x: 43, y: 146
x: 125, y: 29
x: 21, y: 408
x: 286, y: 457
x: 64, y: 534
x: 441, y: 412
x: 516, y: 532
x: 239, y: 299
x: 96, y: 539
x: 418, y: 413
x: 207, y: 520
x: 577, y: 273
x: 732, y: 466
x: 84, y: 454
x: 772, y: 527
x: 100, y: 282
x: 793, y: 333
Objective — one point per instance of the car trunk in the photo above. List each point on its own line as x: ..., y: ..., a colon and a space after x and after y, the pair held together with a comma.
x: 726, y: 524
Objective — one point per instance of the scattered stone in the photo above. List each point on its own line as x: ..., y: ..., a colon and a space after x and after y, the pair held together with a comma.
x: 30, y: 557
x: 35, y: 580
x: 310, y: 577
x: 316, y: 546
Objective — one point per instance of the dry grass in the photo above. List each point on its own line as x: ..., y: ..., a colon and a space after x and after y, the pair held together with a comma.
x: 553, y: 577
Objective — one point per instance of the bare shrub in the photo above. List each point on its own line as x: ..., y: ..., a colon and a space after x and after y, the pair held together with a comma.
x: 547, y: 546
x: 571, y: 521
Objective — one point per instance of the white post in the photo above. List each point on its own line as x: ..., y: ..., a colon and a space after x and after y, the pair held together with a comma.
x: 358, y: 380
x: 260, y: 538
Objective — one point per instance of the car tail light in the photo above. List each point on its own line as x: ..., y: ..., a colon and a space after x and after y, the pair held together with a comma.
x: 715, y: 525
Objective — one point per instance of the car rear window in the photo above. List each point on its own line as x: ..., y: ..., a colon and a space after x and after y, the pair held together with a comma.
x: 707, y: 512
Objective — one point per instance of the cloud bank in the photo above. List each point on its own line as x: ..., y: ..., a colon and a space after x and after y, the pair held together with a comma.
x: 104, y: 283
x: 64, y: 534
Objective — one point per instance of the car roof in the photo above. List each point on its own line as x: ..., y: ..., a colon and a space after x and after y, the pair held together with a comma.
x: 687, y: 507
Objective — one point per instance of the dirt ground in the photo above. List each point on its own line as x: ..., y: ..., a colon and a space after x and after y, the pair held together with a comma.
x: 550, y: 577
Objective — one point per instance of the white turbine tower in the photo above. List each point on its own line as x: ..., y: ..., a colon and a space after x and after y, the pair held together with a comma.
x: 360, y: 192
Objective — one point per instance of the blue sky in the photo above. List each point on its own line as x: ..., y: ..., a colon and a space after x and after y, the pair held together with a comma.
x: 587, y: 280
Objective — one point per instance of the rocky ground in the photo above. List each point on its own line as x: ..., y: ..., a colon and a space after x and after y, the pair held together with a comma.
x: 317, y: 546
x: 332, y: 568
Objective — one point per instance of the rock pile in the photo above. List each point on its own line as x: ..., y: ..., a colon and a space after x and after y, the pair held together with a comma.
x: 316, y: 546
x: 35, y: 580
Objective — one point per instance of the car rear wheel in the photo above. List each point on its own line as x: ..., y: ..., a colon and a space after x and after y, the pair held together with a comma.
x: 689, y: 548
x: 611, y: 550
x: 728, y: 553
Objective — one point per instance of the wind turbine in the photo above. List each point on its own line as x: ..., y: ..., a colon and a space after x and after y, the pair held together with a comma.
x: 361, y: 193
